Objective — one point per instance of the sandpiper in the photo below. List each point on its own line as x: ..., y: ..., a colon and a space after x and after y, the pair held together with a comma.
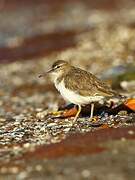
x: 78, y: 86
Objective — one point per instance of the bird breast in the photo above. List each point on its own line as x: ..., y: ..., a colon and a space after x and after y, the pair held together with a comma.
x: 74, y: 97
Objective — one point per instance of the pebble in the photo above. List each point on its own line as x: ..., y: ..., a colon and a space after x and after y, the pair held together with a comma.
x: 86, y: 173
x: 22, y: 175
x: 51, y: 124
x: 131, y: 132
x: 38, y: 167
x: 42, y: 114
x: 66, y: 129
x: 123, y: 139
x: 2, y: 119
x: 122, y: 113
x: 26, y: 145
x: 3, y: 170
x: 14, y: 170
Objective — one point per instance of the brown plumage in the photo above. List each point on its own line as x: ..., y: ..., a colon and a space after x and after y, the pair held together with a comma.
x: 86, y: 84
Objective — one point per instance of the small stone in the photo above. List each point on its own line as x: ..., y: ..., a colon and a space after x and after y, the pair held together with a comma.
x: 115, y: 151
x: 26, y: 145
x: 130, y: 132
x: 39, y: 109
x: 16, y: 148
x: 39, y: 167
x: 86, y: 173
x: 51, y: 124
x: 3, y: 170
x: 67, y: 129
x: 22, y: 175
x: 2, y: 119
x: 19, y: 117
x: 42, y: 114
x: 123, y: 139
x: 14, y: 170
x: 122, y: 113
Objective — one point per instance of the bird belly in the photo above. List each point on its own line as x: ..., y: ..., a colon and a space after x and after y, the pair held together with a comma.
x: 75, y: 98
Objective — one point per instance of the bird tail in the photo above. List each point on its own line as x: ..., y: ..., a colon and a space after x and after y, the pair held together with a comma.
x: 122, y: 98
x: 117, y: 95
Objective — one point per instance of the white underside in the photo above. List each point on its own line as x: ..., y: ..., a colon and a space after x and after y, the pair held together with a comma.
x: 75, y: 98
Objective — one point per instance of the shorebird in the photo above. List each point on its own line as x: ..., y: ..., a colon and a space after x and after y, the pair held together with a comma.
x: 78, y: 86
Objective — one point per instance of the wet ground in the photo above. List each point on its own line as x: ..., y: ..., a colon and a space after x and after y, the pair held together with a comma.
x: 35, y: 143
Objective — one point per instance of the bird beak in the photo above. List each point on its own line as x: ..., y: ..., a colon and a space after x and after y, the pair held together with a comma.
x: 49, y: 71
x: 44, y: 74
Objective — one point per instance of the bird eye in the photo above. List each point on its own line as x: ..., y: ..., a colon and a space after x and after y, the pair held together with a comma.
x: 57, y: 67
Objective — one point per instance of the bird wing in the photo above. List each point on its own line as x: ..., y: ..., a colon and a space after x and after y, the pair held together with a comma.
x: 85, y: 83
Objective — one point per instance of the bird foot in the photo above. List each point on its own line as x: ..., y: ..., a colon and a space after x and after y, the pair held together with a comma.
x: 93, y: 119
x: 65, y: 113
x: 57, y: 113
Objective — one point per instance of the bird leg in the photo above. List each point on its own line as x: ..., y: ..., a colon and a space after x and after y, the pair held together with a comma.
x: 92, y: 110
x: 77, y: 114
x: 91, y: 113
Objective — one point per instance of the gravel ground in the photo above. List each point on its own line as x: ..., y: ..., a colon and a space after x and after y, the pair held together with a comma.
x: 29, y: 123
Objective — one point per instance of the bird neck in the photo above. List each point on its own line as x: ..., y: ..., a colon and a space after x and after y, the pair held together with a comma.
x: 63, y: 74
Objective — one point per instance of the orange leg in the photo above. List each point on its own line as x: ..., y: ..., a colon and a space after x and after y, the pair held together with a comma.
x: 92, y: 110
x: 92, y: 119
x: 77, y: 114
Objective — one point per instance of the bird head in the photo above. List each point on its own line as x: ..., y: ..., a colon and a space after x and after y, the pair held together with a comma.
x: 58, y: 68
